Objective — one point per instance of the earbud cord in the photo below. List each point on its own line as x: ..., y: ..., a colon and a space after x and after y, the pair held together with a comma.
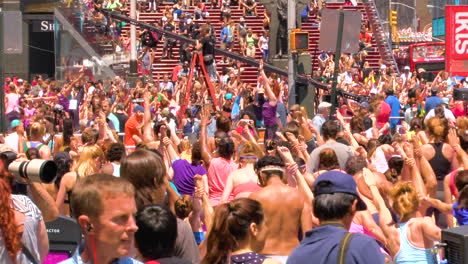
x: 93, y: 249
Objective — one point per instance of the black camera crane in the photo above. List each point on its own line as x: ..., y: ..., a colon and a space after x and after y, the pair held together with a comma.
x: 300, y: 79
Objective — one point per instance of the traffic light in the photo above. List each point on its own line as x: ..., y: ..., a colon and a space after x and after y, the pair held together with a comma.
x: 299, y: 40
x: 393, y: 17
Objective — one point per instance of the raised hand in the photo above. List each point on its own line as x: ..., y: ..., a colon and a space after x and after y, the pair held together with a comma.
x: 166, y: 141
x: 292, y: 138
x: 453, y: 138
x: 408, y: 148
x: 285, y: 154
x: 146, y: 95
x: 204, y: 118
x: 199, y: 189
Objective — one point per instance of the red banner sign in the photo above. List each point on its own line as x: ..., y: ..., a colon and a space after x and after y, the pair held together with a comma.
x: 456, y: 40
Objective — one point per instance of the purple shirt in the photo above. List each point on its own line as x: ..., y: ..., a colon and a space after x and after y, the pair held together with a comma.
x: 183, y: 175
x: 63, y: 101
x: 269, y: 114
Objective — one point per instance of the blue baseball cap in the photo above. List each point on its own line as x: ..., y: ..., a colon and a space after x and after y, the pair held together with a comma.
x: 228, y: 96
x: 15, y: 123
x: 332, y: 182
x: 138, y: 108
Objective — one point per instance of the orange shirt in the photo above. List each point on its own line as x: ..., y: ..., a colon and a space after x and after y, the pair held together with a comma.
x: 131, y: 128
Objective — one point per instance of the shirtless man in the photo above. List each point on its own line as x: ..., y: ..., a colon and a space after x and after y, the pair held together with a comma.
x: 286, y: 209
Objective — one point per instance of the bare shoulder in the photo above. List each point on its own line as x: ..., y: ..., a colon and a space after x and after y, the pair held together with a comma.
x: 256, y: 195
x: 271, y: 261
x: 427, y: 220
x: 427, y: 147
x: 69, y: 179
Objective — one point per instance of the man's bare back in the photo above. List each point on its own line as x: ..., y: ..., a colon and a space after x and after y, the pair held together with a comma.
x: 285, y: 209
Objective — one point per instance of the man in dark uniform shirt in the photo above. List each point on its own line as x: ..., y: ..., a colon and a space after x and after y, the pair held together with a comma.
x: 335, y: 203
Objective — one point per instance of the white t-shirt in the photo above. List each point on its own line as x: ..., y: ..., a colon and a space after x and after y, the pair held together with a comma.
x: 264, y: 41
x: 12, y: 141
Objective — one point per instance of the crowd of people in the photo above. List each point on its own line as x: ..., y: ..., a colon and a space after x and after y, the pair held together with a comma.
x: 150, y: 177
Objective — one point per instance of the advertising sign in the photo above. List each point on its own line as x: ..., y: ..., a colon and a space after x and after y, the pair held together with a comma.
x: 456, y: 40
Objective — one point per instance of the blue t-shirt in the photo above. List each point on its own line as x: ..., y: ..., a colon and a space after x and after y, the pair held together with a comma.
x: 432, y: 102
x: 395, y: 105
x: 306, y: 11
x: 226, y: 31
x: 321, y: 246
x: 460, y: 214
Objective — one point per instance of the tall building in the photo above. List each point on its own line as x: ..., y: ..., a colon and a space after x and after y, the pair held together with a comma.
x: 27, y: 38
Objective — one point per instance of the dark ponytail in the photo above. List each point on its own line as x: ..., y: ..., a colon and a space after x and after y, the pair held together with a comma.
x: 231, y: 225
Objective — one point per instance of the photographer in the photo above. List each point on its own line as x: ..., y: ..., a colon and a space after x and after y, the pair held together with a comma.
x: 39, y: 195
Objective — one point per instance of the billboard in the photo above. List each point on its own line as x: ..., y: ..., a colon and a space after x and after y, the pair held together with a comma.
x: 456, y: 40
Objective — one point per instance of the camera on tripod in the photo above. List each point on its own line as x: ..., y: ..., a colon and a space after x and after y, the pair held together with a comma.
x: 35, y: 170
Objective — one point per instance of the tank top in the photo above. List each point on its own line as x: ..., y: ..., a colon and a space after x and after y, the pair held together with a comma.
x: 411, y: 254
x: 379, y: 161
x: 188, y: 128
x: 249, y: 186
x: 248, y: 258
x: 357, y: 228
x: 439, y: 163
x: 33, y: 144
x: 116, y: 171
x: 250, y: 41
x: 13, y: 102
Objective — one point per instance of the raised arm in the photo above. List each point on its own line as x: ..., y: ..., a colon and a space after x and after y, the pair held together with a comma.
x: 454, y: 141
x: 147, y: 129
x: 292, y: 166
x: 386, y: 221
x: 206, y: 155
x: 266, y: 85
x: 44, y: 201
x: 200, y: 193
x: 426, y: 170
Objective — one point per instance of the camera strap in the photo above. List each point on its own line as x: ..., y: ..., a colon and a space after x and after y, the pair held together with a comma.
x: 343, y: 247
x: 28, y: 254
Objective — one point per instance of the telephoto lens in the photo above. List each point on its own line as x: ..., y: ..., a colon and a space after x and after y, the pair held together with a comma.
x: 35, y: 170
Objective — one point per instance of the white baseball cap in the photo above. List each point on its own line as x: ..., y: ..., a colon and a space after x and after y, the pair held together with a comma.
x: 383, y: 67
x: 324, y: 105
x: 406, y: 67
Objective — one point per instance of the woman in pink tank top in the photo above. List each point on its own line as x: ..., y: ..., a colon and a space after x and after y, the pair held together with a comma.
x: 243, y: 181
x: 11, y: 104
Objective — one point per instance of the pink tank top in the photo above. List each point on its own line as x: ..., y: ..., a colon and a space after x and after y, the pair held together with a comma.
x: 379, y: 161
x: 356, y: 228
x: 13, y: 102
x: 249, y: 186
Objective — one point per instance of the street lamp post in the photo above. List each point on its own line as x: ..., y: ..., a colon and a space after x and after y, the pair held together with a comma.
x: 291, y: 64
x: 133, y: 51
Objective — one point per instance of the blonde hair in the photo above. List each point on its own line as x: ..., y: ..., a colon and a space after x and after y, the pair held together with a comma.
x: 249, y: 151
x: 37, y: 130
x: 86, y: 164
x: 405, y: 200
x: 438, y: 128
x: 184, y: 144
